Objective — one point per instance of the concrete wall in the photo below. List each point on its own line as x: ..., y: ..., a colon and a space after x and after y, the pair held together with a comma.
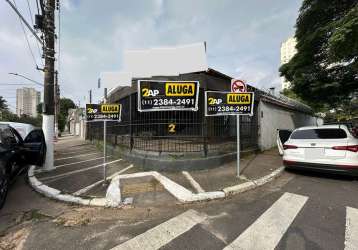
x: 273, y: 117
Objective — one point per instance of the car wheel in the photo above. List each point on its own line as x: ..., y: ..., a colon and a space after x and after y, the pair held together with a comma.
x: 4, y: 186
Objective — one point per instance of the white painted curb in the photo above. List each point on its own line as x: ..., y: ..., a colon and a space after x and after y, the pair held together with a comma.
x: 246, y: 186
x: 179, y: 192
x: 56, y: 194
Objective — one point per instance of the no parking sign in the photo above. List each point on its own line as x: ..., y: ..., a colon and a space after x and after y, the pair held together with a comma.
x: 238, y: 86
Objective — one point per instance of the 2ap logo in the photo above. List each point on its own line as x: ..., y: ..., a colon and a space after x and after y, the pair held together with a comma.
x: 149, y: 92
x: 214, y: 101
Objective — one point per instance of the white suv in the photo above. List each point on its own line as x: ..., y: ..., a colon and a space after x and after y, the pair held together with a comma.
x: 323, y: 148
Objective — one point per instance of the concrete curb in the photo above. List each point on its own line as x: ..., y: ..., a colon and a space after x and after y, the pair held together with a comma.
x: 179, y: 192
x: 229, y: 191
x: 57, y: 195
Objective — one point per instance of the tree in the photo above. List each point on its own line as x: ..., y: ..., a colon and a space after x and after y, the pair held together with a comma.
x: 39, y: 108
x: 3, y: 104
x: 65, y: 105
x: 325, y: 69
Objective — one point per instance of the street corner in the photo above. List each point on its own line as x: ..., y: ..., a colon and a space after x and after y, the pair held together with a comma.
x: 78, y: 178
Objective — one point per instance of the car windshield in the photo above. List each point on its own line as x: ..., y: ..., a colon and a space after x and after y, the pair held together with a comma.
x: 327, y: 133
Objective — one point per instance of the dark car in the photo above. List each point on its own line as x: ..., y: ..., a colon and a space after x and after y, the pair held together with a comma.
x: 16, y: 154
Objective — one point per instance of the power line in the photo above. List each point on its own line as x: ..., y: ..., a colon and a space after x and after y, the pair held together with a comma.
x: 32, y: 21
x: 37, y: 5
x: 24, y: 21
x: 27, y: 40
x: 28, y: 5
x: 15, y: 84
x: 59, y: 36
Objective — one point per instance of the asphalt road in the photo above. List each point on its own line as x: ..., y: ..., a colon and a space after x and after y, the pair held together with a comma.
x: 296, y: 211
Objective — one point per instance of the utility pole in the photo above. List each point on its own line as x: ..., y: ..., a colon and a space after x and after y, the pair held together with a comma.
x: 46, y: 23
x: 56, y: 100
x: 49, y: 71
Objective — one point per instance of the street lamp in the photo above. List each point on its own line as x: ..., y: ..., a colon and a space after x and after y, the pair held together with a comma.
x: 56, y: 101
x: 36, y: 82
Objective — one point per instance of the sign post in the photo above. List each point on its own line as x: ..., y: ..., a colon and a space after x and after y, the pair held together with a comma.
x: 104, y: 112
x: 104, y: 142
x: 238, y: 86
x: 105, y: 151
x: 228, y: 103
x: 238, y: 145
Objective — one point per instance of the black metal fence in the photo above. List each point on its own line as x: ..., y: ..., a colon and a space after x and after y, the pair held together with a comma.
x: 176, y: 131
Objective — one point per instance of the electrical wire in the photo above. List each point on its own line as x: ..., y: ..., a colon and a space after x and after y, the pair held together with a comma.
x: 27, y: 40
x: 32, y: 21
x: 37, y: 5
x: 59, y: 38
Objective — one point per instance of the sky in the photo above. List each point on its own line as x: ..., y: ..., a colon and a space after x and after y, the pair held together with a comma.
x: 243, y: 39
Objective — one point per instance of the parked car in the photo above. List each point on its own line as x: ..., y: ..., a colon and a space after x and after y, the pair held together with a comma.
x: 16, y: 153
x: 22, y: 128
x: 329, y: 148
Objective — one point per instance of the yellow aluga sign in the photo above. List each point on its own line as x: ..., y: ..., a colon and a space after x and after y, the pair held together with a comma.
x: 109, y: 108
x: 238, y: 98
x: 179, y: 89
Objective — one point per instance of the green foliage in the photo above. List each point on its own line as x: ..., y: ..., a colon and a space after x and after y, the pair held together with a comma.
x: 3, y: 104
x: 65, y: 105
x: 289, y: 93
x: 325, y: 69
x: 39, y: 108
x: 11, y: 117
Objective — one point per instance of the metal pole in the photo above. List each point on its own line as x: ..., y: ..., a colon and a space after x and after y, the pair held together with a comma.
x: 105, y: 142
x: 238, y: 144
x: 104, y: 150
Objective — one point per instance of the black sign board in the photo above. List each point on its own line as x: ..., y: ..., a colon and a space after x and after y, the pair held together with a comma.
x: 228, y: 103
x: 102, y: 112
x: 167, y: 95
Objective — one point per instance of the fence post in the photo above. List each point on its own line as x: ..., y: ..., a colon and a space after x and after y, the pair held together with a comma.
x: 130, y: 124
x: 204, y: 135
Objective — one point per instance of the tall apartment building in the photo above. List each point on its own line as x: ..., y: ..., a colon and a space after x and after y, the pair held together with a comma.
x: 288, y: 50
x: 27, y: 100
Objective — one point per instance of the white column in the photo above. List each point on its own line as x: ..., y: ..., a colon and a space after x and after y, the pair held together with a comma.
x: 48, y: 129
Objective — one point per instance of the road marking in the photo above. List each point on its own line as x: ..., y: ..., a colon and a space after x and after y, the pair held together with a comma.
x: 193, y: 182
x: 83, y: 150
x: 73, y: 163
x: 76, y: 171
x: 164, y: 233
x: 351, y: 236
x: 268, y: 229
x: 65, y: 158
x: 85, y: 189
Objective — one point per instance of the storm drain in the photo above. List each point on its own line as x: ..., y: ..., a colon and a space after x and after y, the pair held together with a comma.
x: 145, y: 191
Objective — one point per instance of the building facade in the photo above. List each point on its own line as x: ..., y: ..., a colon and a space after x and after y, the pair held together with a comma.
x: 198, y: 141
x: 288, y: 50
x: 27, y: 100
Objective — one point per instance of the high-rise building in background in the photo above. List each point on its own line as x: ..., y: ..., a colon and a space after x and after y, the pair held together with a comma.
x: 288, y: 50
x: 27, y: 100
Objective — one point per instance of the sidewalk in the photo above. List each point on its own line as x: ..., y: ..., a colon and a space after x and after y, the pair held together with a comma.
x: 78, y: 178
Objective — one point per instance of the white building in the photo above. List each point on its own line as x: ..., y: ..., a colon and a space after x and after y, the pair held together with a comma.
x: 27, y: 100
x: 288, y: 50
